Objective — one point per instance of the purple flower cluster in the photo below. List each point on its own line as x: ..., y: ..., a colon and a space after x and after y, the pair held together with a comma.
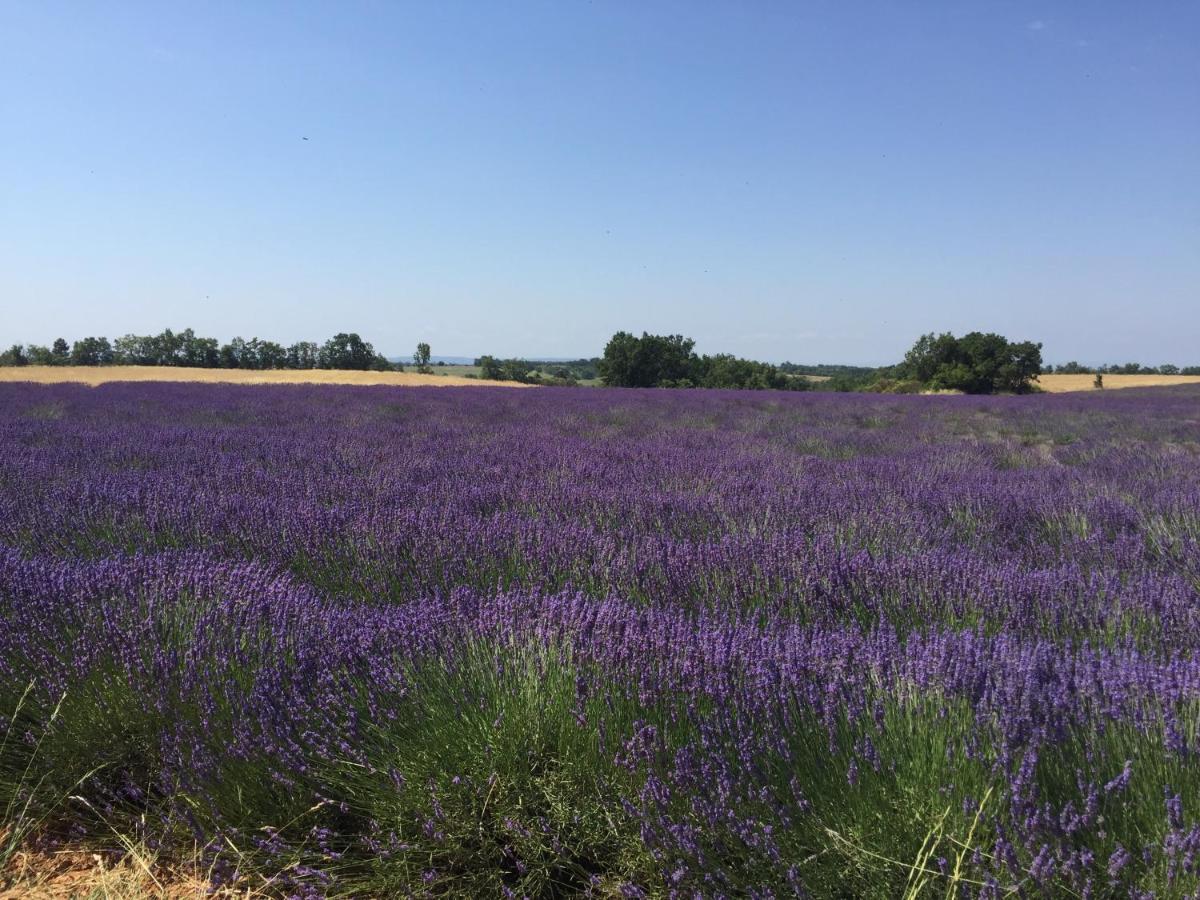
x: 789, y: 627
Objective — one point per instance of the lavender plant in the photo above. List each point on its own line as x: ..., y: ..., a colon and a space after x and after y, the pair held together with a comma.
x: 389, y: 642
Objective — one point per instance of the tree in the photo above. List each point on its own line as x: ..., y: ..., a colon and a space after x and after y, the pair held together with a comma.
x: 489, y: 368
x: 976, y: 363
x: 92, y: 351
x: 136, y: 351
x: 727, y: 371
x: 186, y: 348
x: 1168, y: 369
x: 196, y: 351
x: 347, y: 351
x: 518, y: 370
x: 303, y: 355
x: 1020, y: 368
x: 421, y: 358
x: 271, y: 355
x: 14, y: 356
x: 617, y: 364
x: 39, y: 355
x: 929, y: 355
x: 234, y: 354
x: 649, y: 361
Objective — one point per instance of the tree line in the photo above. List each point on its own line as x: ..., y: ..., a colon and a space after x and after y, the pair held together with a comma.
x: 187, y: 349
x: 975, y: 363
x: 656, y: 360
x: 1074, y: 368
x: 533, y: 371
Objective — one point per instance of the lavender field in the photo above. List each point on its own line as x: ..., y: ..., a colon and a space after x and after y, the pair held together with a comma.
x: 488, y: 642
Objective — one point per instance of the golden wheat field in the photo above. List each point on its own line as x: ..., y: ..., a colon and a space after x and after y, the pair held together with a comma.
x: 1061, y: 384
x: 94, y: 375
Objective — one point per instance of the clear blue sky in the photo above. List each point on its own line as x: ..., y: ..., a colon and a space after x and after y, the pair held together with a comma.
x: 804, y: 181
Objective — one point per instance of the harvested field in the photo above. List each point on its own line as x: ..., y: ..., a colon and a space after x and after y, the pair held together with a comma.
x: 94, y: 375
x: 1061, y: 384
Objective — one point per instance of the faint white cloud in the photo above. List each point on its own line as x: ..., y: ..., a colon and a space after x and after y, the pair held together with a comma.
x: 1038, y: 25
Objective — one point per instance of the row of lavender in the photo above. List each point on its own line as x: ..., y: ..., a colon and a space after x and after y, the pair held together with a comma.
x: 384, y: 641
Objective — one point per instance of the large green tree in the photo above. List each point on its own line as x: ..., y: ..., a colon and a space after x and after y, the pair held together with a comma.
x: 347, y: 351
x: 653, y: 360
x: 976, y: 363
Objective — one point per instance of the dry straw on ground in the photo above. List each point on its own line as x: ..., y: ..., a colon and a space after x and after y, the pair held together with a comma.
x: 94, y: 375
x: 136, y: 875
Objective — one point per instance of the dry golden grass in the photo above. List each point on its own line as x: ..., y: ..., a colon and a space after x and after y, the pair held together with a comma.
x: 94, y: 375
x: 82, y: 874
x: 1060, y: 384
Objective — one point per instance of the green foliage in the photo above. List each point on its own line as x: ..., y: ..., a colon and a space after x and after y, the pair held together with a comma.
x: 669, y: 361
x: 186, y: 348
x: 535, y: 371
x: 524, y: 371
x: 92, y: 351
x: 727, y: 371
x: 649, y: 361
x: 492, y: 771
x: 31, y: 792
x: 496, y: 769
x: 167, y: 349
x: 271, y: 355
x: 1073, y: 368
x: 303, y: 355
x: 1130, y: 368
x: 490, y: 368
x: 976, y: 363
x: 421, y: 359
x: 347, y: 351
x: 39, y: 355
x: 889, y: 385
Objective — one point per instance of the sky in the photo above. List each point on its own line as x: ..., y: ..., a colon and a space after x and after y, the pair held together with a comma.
x: 805, y: 181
